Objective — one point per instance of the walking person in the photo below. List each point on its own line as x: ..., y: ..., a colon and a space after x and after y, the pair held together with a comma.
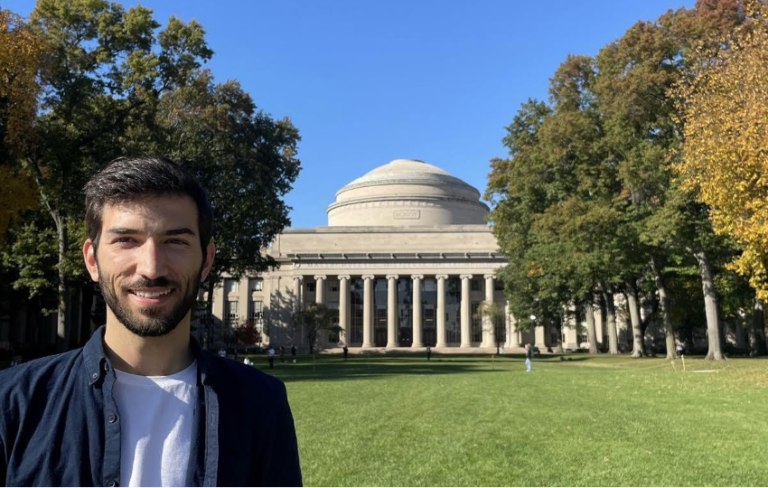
x: 282, y: 354
x: 528, y: 357
x: 429, y: 352
x: 293, y: 352
x: 345, y: 350
x: 271, y: 357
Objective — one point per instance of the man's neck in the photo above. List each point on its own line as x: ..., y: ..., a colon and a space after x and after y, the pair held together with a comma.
x: 147, y: 356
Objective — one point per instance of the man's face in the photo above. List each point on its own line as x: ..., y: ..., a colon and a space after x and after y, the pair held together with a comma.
x: 149, y: 264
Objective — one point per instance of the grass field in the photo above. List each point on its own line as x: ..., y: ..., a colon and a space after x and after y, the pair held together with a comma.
x: 471, y: 421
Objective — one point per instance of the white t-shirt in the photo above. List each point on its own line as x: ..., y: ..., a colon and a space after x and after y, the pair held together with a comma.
x: 156, y: 416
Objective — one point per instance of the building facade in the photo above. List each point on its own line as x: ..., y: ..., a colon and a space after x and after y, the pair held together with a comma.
x: 407, y: 259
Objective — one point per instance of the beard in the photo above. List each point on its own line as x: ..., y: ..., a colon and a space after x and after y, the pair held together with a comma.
x: 150, y: 321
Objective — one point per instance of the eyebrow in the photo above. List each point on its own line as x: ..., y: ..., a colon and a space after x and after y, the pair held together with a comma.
x: 169, y: 232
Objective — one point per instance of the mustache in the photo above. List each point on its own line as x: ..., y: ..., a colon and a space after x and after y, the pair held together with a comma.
x: 147, y: 283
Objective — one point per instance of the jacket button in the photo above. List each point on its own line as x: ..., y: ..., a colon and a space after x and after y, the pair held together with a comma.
x: 113, y: 483
x: 95, y: 375
x: 112, y: 418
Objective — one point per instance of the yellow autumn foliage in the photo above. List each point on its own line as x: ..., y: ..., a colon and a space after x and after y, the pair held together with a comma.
x: 724, y: 109
x: 19, y: 62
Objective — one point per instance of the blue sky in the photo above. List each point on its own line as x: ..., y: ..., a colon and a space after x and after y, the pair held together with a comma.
x: 366, y: 82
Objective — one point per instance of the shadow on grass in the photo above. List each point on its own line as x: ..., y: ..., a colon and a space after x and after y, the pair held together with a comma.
x: 334, y: 370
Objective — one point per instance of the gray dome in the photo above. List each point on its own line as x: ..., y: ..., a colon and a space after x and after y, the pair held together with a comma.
x: 406, y: 192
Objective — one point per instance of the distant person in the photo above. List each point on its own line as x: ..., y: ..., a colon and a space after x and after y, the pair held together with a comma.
x: 680, y: 348
x: 271, y: 357
x: 429, y: 352
x: 345, y: 350
x: 282, y: 354
x: 293, y: 352
x: 528, y: 357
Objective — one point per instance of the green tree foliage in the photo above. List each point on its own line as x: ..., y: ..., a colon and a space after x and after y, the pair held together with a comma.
x: 586, y: 200
x: 315, y: 319
x: 245, y: 159
x: 113, y: 83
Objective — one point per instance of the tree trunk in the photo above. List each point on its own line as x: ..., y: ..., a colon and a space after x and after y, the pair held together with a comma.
x: 610, y: 321
x: 62, y: 325
x: 715, y: 349
x: 638, y: 345
x: 589, y: 312
x: 559, y: 328
x: 757, y: 345
x: 669, y: 332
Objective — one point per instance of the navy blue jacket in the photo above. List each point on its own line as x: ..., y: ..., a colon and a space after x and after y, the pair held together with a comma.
x: 59, y: 424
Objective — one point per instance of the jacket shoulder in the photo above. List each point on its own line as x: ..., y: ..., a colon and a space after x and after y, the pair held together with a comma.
x: 43, y: 370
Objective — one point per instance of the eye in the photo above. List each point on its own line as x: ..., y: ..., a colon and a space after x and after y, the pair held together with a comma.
x: 177, y: 242
x: 123, y: 240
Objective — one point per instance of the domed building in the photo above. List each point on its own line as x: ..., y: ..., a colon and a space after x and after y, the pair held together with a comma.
x: 404, y: 233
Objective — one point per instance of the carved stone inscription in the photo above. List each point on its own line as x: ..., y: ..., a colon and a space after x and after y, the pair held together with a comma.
x: 407, y: 214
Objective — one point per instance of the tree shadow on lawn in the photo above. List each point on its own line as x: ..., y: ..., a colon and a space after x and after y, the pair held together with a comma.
x: 350, y: 370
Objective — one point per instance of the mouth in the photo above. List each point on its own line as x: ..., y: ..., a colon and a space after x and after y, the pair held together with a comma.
x: 152, y: 296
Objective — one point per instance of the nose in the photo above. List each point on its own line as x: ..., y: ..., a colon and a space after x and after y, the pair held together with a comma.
x: 150, y: 261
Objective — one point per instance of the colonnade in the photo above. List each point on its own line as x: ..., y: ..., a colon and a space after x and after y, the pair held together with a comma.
x: 489, y: 336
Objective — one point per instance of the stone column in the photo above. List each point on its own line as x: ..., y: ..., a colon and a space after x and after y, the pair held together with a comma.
x: 297, y: 282
x: 441, y: 311
x: 417, y: 322
x: 320, y: 289
x: 540, y: 337
x: 367, y: 311
x: 466, y: 312
x: 512, y: 339
x: 392, y: 311
x: 489, y: 332
x: 344, y: 309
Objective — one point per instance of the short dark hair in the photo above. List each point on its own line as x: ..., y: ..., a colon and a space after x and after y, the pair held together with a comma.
x: 126, y: 179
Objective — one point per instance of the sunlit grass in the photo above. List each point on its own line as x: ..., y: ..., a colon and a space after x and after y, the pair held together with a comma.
x: 471, y: 421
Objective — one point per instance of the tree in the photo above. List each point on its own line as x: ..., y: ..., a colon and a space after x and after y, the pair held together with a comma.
x: 724, y: 110
x: 247, y: 333
x: 585, y: 201
x: 20, y: 51
x: 245, y: 160
x: 102, y: 70
x: 492, y: 317
x: 316, y: 318
x: 114, y: 84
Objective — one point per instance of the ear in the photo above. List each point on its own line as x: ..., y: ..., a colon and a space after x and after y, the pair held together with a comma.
x: 210, y: 252
x: 89, y: 256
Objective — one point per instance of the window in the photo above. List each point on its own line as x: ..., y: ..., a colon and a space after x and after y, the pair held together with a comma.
x: 333, y: 337
x: 311, y: 287
x: 475, y: 285
x: 231, y: 285
x: 498, y: 285
x: 334, y: 285
x: 257, y: 311
x: 477, y: 323
x: 230, y: 313
x: 257, y: 284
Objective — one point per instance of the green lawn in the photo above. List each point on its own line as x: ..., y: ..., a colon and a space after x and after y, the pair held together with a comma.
x: 468, y: 421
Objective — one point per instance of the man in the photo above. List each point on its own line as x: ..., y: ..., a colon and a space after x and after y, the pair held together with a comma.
x: 141, y: 404
x: 293, y: 352
x: 345, y: 350
x: 528, y: 356
x: 429, y: 352
x: 271, y: 357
